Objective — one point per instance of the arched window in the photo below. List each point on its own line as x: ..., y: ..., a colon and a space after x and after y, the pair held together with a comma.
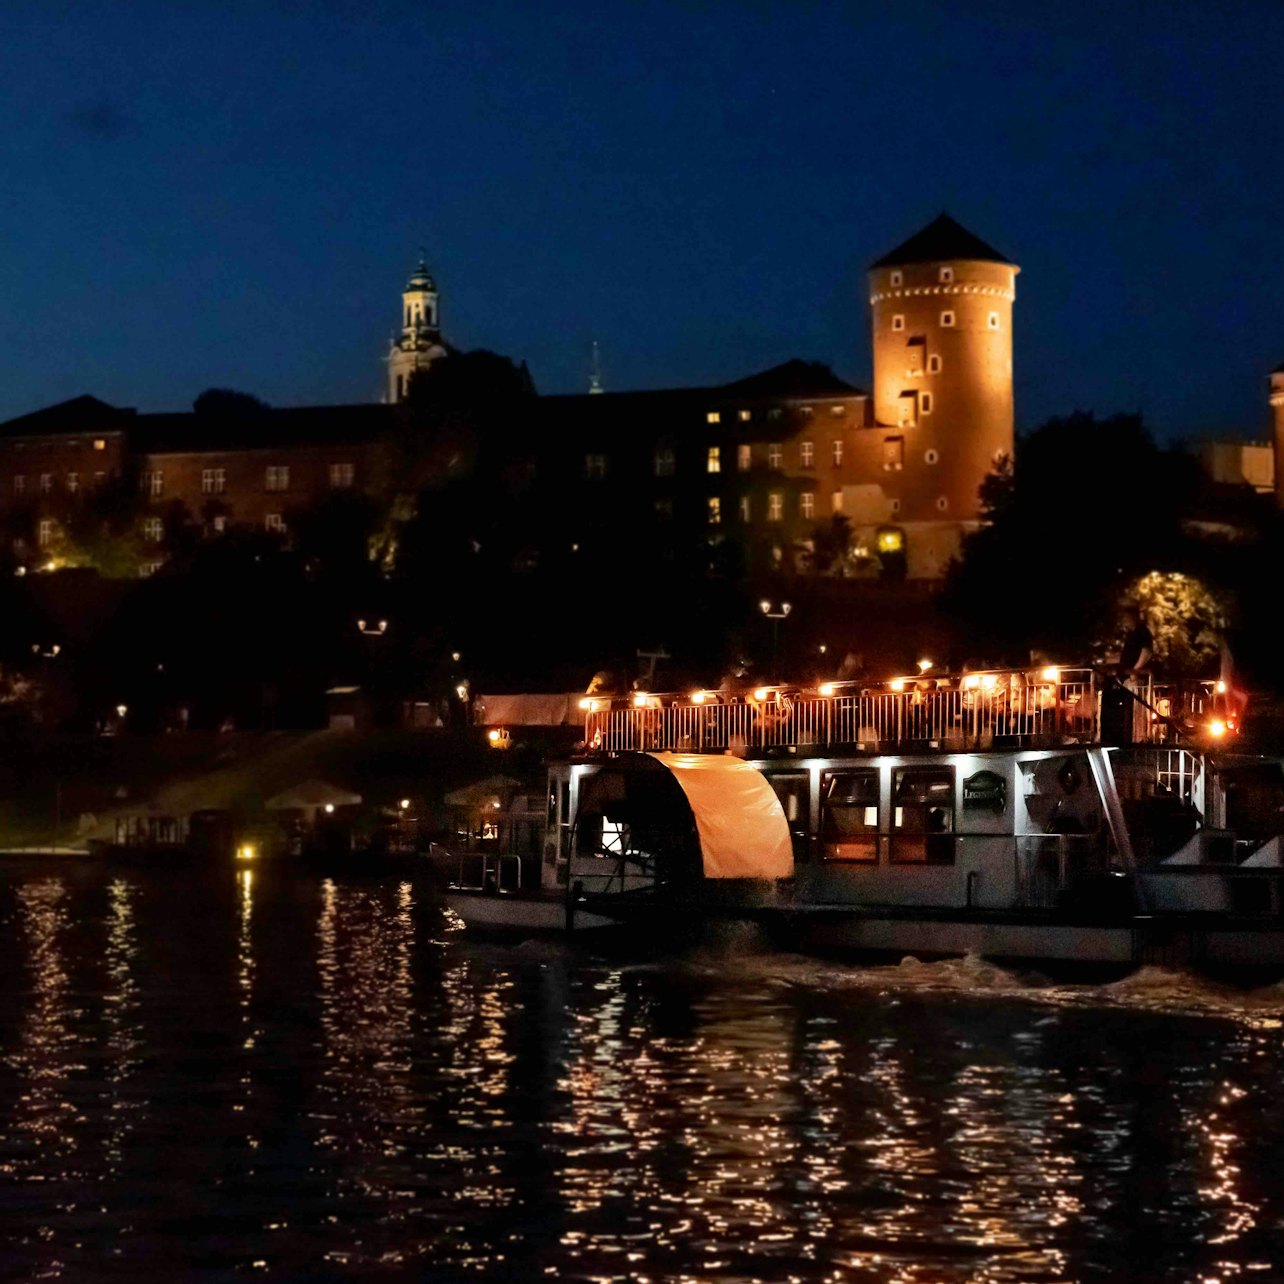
x: 407, y: 313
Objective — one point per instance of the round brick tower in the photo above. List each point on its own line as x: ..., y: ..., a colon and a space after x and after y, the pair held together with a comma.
x: 1277, y: 409
x: 941, y: 308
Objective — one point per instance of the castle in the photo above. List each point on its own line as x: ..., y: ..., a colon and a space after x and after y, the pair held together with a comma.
x: 767, y: 461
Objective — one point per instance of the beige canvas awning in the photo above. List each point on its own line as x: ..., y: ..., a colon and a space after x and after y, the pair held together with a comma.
x: 742, y: 827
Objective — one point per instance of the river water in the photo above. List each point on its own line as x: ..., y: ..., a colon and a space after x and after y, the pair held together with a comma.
x: 242, y: 1074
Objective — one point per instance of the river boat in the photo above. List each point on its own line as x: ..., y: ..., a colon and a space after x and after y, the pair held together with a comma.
x: 1045, y: 815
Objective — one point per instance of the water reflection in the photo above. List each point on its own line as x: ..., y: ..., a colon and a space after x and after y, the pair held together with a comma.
x: 271, y: 1073
x: 121, y: 1019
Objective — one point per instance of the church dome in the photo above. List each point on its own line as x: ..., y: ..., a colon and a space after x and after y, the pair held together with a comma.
x: 421, y: 278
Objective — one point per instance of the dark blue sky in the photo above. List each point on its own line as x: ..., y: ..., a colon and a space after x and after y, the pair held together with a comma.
x: 232, y: 195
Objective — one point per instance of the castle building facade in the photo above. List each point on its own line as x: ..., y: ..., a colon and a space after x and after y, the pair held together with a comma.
x: 765, y: 463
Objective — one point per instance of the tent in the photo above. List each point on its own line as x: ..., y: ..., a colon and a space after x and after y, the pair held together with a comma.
x: 312, y: 797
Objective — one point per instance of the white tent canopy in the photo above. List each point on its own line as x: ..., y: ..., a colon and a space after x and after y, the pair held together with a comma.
x: 742, y: 827
x: 312, y: 796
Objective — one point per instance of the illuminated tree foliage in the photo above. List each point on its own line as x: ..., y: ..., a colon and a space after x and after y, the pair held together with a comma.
x: 1187, y: 619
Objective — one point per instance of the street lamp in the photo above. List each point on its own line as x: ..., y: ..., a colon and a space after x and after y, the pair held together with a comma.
x: 373, y: 628
x: 775, y: 612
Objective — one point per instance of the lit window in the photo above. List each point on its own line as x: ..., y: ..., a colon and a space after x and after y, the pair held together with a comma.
x: 947, y: 319
x: 220, y: 524
x: 942, y: 503
x: 154, y: 529
x: 806, y: 454
x: 715, y: 510
x: 595, y: 467
x: 934, y: 364
x: 777, y: 555
x: 44, y: 532
x: 148, y: 569
x: 213, y: 481
x: 744, y: 457
x: 994, y: 320
x: 838, y: 452
x: 46, y: 483
x: 898, y: 278
x: 930, y: 457
x: 775, y: 506
x: 19, y: 484
x: 73, y: 482
x: 836, y: 411
x: 341, y: 476
x: 836, y: 502
x: 99, y: 444
x: 714, y: 464
x: 155, y: 483
x: 774, y: 455
x: 925, y: 402
x: 664, y: 461
x: 947, y: 275
x: 893, y: 453
x: 808, y: 504
x: 276, y: 477
x: 664, y: 509
x: 804, y: 410
x: 274, y: 522
x: 774, y: 412
x: 898, y: 322
x: 713, y: 417
x: 744, y: 508
x: 745, y: 416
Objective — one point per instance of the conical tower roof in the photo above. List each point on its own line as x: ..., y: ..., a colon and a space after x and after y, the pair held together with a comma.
x: 421, y: 278
x: 941, y: 240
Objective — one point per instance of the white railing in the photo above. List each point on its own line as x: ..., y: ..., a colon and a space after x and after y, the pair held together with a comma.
x: 1043, y: 707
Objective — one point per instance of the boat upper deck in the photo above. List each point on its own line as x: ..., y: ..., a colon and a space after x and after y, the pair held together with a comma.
x: 1003, y: 708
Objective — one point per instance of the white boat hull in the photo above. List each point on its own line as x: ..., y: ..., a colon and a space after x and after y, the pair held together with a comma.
x: 514, y: 912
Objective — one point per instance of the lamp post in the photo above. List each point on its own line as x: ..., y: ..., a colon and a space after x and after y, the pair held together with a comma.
x: 775, y: 612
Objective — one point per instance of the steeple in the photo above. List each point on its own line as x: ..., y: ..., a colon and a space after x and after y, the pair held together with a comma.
x: 419, y: 343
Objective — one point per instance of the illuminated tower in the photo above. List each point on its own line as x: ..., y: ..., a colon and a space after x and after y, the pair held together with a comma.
x: 419, y: 343
x: 941, y: 308
x: 1277, y: 407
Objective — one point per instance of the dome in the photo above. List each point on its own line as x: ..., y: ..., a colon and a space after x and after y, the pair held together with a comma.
x: 421, y: 278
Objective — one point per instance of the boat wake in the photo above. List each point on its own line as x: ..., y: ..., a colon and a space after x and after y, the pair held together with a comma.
x: 1151, y: 989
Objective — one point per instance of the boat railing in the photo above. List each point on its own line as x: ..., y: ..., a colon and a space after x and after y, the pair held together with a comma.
x: 995, y: 709
x: 485, y: 872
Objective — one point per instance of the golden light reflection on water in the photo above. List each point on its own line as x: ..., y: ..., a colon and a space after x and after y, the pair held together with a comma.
x: 121, y: 1016
x: 414, y: 1100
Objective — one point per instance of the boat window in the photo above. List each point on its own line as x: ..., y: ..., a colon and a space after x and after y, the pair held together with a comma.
x: 793, y: 788
x: 849, y: 816
x: 923, y: 816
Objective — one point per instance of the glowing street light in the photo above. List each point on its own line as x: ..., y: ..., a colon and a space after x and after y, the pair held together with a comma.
x: 373, y: 628
x: 775, y: 612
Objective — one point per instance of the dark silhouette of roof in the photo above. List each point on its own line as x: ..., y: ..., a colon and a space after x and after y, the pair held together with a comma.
x: 79, y: 415
x: 1279, y: 369
x: 265, y: 429
x: 794, y: 378
x: 941, y: 240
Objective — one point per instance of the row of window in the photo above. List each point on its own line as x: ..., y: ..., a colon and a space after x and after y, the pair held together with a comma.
x: 276, y: 479
x: 773, y: 412
x: 893, y: 451
x: 945, y: 275
x: 154, y: 528
x: 46, y: 482
x: 947, y: 321
x: 776, y: 506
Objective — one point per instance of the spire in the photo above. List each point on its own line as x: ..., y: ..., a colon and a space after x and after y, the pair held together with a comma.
x: 595, y: 371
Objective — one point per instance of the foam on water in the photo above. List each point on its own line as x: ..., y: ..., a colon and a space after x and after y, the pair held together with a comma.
x: 1150, y: 988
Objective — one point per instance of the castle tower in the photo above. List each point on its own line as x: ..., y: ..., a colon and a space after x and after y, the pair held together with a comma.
x: 1277, y: 407
x: 419, y: 343
x: 941, y: 308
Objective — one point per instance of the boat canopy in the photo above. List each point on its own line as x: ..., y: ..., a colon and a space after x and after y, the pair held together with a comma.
x: 742, y: 827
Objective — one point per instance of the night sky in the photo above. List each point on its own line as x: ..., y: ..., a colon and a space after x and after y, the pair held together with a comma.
x: 232, y: 195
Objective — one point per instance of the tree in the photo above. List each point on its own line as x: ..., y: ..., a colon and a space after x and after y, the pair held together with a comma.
x: 831, y: 544
x: 1186, y: 618
x: 1088, y: 505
